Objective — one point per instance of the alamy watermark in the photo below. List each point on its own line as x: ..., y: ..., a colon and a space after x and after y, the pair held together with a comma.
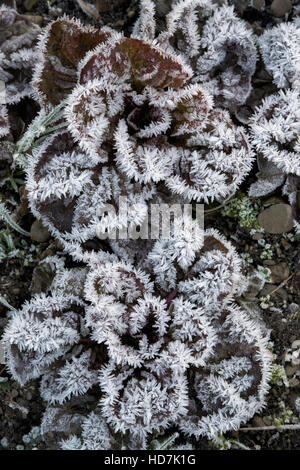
x: 2, y: 92
x: 2, y: 353
x: 152, y: 222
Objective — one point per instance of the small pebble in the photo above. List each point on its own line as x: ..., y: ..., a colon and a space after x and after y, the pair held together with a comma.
x: 258, y: 4
x: 280, y: 7
x: 279, y: 273
x: 290, y: 370
x: 257, y: 236
x: 38, y: 232
x: 29, y: 4
x: 14, y: 393
x: 277, y: 218
x: 267, y: 421
x: 258, y: 422
x: 294, y: 382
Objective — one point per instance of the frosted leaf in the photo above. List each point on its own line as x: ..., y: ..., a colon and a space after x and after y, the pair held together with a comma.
x: 63, y: 44
x: 96, y: 434
x: 183, y: 25
x: 136, y: 60
x: 228, y: 49
x: 4, y: 123
x: 71, y: 193
x: 213, y: 162
x: 140, y: 404
x: 18, y: 54
x: 275, y: 130
x: 280, y: 49
x: 124, y: 314
x: 214, y: 40
x: 72, y: 378
x: 267, y: 185
x: 40, y: 333
x: 210, y: 272
x: 163, y: 350
x: 57, y: 419
x: 61, y: 279
x: 144, y: 27
x: 231, y: 388
x: 269, y: 178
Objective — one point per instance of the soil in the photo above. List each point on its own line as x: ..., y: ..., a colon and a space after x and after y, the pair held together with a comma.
x: 21, y: 408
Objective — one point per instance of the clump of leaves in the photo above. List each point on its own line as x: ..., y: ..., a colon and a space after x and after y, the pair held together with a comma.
x: 163, y: 340
x: 275, y: 134
x: 137, y: 124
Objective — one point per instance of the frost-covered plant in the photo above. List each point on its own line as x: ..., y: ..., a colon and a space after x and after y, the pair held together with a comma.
x: 94, y: 435
x: 4, y: 123
x: 18, y: 54
x: 162, y: 341
x: 280, y: 49
x: 229, y: 50
x: 217, y: 44
x: 275, y: 130
x: 275, y: 124
x: 137, y: 124
x: 68, y: 191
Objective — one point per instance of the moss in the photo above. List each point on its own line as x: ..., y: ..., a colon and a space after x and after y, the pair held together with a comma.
x: 243, y: 210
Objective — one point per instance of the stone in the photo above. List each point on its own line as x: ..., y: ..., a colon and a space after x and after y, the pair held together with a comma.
x: 280, y: 7
x: 258, y: 4
x: 258, y: 422
x: 257, y: 236
x: 280, y: 272
x: 290, y: 370
x: 267, y: 421
x: 29, y: 4
x: 269, y: 288
x: 277, y: 218
x: 23, y: 207
x: 294, y: 382
x: 269, y: 262
x: 38, y: 232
